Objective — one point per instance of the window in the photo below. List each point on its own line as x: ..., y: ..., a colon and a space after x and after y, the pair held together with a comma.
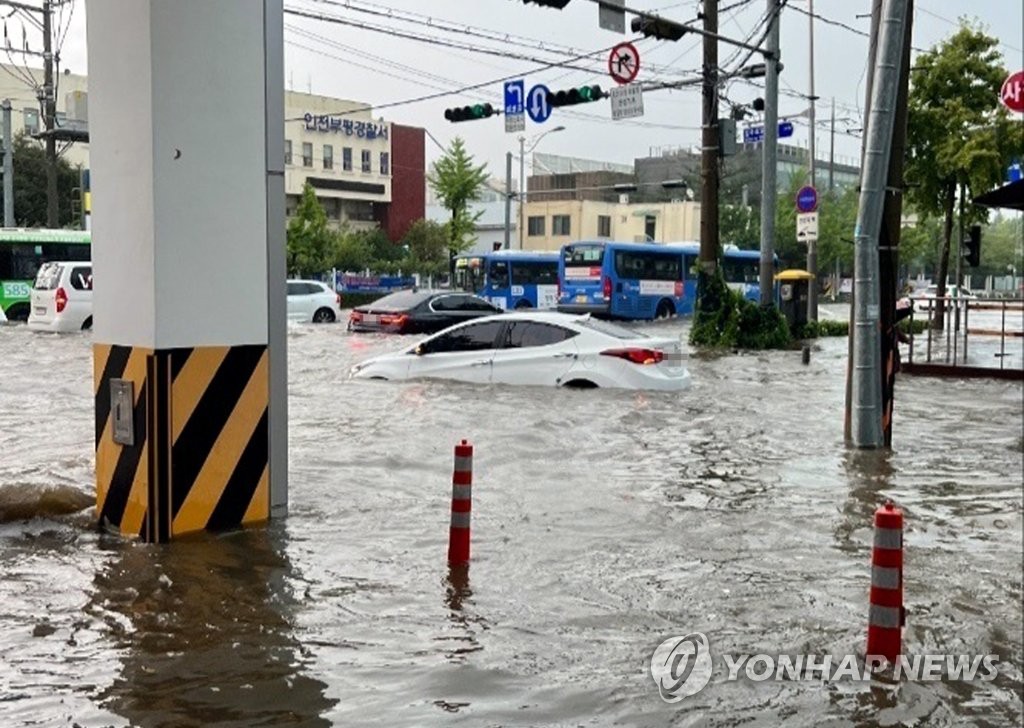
x: 346, y: 159
x: 534, y: 273
x: 474, y: 337
x: 31, y: 121
x: 577, y: 254
x: 604, y: 226
x: 651, y: 227
x: 287, y: 151
x: 741, y: 270
x: 296, y: 289
x: 328, y: 156
x: 524, y: 334
x: 385, y: 163
x: 48, y: 277
x: 81, y: 278
x: 535, y: 226
x: 649, y: 266
x: 366, y: 160
x: 498, y: 274
x: 560, y: 225
x: 307, y: 154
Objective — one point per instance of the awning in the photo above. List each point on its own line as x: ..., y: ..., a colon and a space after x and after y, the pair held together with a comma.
x: 1010, y: 197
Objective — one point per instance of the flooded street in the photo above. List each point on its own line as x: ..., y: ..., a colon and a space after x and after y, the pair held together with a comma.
x: 604, y: 522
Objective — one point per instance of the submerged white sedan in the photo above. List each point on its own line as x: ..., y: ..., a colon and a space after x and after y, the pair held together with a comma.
x: 538, y: 348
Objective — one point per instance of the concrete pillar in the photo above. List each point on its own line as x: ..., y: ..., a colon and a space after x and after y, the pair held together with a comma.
x: 186, y: 122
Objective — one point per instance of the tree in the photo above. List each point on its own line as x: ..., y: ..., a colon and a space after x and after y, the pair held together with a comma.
x: 30, y: 185
x: 311, y: 243
x: 457, y: 182
x: 958, y: 134
x: 351, y: 252
x: 740, y: 226
x: 428, y: 247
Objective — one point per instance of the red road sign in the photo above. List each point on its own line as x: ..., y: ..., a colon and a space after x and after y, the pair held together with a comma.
x: 1012, y: 93
x: 624, y: 63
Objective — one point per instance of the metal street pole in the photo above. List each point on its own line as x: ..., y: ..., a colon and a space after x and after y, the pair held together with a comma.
x: 8, y: 167
x: 812, y: 245
x: 522, y: 190
x: 769, y: 155
x: 49, y: 114
x: 709, y: 144
x: 867, y: 360
x: 508, y: 199
x: 832, y: 148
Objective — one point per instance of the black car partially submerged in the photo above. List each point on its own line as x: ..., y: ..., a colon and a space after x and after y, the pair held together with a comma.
x: 419, y: 312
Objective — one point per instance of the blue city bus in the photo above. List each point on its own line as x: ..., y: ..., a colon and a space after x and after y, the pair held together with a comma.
x: 644, y: 281
x: 510, y: 279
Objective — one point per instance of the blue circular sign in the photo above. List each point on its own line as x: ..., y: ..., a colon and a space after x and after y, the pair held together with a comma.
x: 807, y: 199
x: 537, y: 105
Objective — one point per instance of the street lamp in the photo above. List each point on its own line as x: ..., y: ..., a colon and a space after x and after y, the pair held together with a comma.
x: 523, y: 151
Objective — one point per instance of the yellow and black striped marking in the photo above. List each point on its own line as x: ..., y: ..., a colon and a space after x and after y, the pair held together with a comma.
x: 200, y: 458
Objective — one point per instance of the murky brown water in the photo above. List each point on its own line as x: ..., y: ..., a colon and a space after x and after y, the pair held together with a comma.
x: 604, y: 523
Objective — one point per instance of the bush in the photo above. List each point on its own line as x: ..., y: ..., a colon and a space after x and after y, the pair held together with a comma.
x: 351, y: 299
x: 724, y: 319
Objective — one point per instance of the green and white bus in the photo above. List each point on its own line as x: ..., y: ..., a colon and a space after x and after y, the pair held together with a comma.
x: 22, y: 251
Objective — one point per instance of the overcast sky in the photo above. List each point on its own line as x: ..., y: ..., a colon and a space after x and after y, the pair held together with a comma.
x: 381, y: 68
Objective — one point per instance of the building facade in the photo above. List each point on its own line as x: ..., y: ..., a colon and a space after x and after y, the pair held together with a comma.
x: 366, y: 171
x: 26, y: 109
x: 551, y: 224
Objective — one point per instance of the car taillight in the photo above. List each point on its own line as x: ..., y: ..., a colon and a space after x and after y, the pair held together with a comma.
x: 337, y: 297
x: 607, y: 287
x: 61, y: 298
x: 637, y: 356
x: 355, y: 316
x: 398, y: 321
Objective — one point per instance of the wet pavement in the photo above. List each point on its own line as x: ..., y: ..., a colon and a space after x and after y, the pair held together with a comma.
x: 604, y: 523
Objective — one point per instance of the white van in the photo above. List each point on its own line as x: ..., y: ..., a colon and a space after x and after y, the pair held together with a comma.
x: 62, y: 297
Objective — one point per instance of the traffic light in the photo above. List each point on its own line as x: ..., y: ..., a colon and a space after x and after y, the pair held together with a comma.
x: 556, y: 4
x: 973, y: 243
x: 573, y: 96
x: 659, y: 28
x: 469, y: 113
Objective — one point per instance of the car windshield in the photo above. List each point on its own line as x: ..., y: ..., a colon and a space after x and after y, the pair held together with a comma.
x: 400, y: 301
x: 48, y: 276
x: 619, y: 332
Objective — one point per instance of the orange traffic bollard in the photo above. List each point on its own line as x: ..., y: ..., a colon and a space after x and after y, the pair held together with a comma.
x: 462, y: 504
x: 886, y: 614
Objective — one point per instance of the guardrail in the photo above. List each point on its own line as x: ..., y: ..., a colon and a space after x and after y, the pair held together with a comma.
x: 947, y: 341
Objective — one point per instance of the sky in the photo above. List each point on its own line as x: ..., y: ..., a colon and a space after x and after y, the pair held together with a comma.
x: 353, y: 61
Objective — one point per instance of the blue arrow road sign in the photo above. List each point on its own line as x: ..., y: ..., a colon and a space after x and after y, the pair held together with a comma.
x: 515, y: 97
x: 755, y: 134
x: 807, y: 199
x: 537, y: 103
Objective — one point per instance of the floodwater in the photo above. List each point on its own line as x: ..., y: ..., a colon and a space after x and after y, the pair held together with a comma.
x: 604, y: 523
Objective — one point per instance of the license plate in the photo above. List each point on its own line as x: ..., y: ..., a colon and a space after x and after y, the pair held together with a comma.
x: 370, y: 318
x: 41, y: 310
x: 581, y: 298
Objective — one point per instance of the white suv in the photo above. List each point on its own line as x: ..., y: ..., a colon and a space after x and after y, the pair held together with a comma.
x: 62, y: 298
x: 313, y: 301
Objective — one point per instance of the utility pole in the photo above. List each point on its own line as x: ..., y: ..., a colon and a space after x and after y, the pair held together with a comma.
x: 812, y: 244
x: 8, y: 167
x: 508, y: 199
x: 49, y: 117
x: 521, y: 225
x: 867, y: 431
x: 832, y: 148
x: 709, y: 144
x: 769, y: 155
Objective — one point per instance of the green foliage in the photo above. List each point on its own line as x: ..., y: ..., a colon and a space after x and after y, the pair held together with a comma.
x: 30, y: 185
x: 457, y: 182
x: 311, y: 243
x: 740, y: 226
x: 818, y: 329
x: 351, y: 299
x: 427, y: 242
x: 724, y: 319
x: 351, y: 251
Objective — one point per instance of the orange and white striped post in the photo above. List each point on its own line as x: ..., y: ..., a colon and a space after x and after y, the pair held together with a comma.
x: 886, y: 614
x: 462, y: 504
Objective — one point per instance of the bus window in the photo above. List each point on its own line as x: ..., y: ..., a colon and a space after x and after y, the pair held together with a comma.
x: 526, y: 273
x: 740, y: 270
x: 583, y: 254
x: 648, y: 266
x: 498, y: 274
